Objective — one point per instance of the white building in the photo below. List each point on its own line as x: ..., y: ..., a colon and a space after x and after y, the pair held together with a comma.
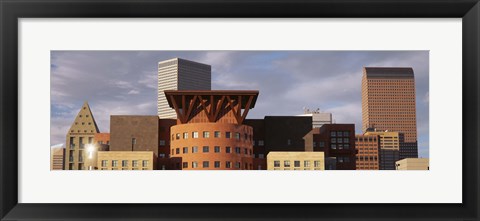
x: 318, y: 118
x: 180, y: 74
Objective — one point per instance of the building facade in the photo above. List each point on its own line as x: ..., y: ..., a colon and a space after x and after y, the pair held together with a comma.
x: 337, y: 141
x: 278, y: 133
x: 318, y: 118
x: 57, y: 158
x: 413, y: 164
x: 126, y: 160
x: 210, y: 133
x: 295, y: 160
x: 389, y: 143
x: 388, y: 103
x: 79, y: 136
x: 180, y: 74
x: 368, y: 153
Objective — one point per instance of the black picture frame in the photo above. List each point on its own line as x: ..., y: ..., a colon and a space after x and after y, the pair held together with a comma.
x: 12, y: 10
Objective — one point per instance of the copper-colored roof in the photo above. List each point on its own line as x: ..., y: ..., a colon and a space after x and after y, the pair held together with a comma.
x: 389, y: 72
x: 217, y: 94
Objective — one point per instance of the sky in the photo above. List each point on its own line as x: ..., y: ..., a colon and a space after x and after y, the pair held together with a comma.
x: 125, y: 82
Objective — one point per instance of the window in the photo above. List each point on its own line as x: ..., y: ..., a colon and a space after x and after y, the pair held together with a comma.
x: 185, y: 165
x: 339, y: 140
x: 237, y: 165
x: 339, y: 133
x: 253, y: 142
x: 185, y: 150
x: 228, y: 134
x: 195, y: 134
x: 260, y: 143
x: 162, y: 142
x: 289, y: 142
x: 321, y: 144
x: 333, y: 133
x: 261, y: 156
x: 145, y: 163
x: 217, y: 149
x: 346, y: 140
x: 90, y: 140
x: 245, y: 137
x: 217, y: 164
x: 124, y: 163
x: 216, y: 134
x: 194, y: 164
x: 286, y: 163
x: 104, y: 163
x: 314, y: 144
x: 316, y: 163
x: 245, y: 151
x: 296, y: 163
x: 228, y: 164
x: 237, y: 136
x: 333, y: 146
x: 206, y: 134
x: 276, y: 163
x: 346, y: 133
x: 205, y: 149
x: 346, y: 146
x: 228, y: 149
x: 185, y: 135
x: 177, y: 136
x: 114, y: 163
x: 134, y: 163
x: 237, y: 150
x: 194, y: 149
x: 306, y: 163
x: 177, y: 151
x: 205, y: 164
x: 333, y: 140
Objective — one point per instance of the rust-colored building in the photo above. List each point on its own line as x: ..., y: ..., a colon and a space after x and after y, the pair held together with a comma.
x: 210, y: 134
x: 367, y: 147
x: 336, y: 141
x: 388, y: 103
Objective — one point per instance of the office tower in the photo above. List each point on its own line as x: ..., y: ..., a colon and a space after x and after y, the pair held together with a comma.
x: 413, y: 164
x: 390, y: 143
x: 388, y: 103
x: 180, y: 74
x: 367, y: 156
x: 57, y: 158
x: 295, y: 161
x: 81, y: 132
x: 210, y: 133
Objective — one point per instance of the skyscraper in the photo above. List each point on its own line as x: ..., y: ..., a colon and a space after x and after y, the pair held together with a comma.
x: 388, y: 103
x: 180, y: 74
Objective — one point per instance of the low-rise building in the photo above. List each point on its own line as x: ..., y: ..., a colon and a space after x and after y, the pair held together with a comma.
x: 389, y: 147
x: 57, y: 158
x: 295, y: 161
x: 413, y: 164
x: 126, y: 160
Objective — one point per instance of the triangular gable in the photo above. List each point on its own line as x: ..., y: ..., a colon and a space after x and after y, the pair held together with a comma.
x: 84, y: 122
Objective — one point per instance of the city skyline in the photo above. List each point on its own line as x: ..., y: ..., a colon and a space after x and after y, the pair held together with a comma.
x: 125, y: 83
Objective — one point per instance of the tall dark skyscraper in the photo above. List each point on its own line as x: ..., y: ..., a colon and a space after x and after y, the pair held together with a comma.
x: 388, y: 103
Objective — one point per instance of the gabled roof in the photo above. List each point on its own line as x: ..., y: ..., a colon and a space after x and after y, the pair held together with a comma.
x: 84, y: 121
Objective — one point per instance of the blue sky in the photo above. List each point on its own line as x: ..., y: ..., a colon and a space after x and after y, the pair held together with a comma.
x: 125, y: 82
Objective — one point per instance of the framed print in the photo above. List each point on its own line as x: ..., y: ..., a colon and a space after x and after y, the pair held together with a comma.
x: 162, y: 110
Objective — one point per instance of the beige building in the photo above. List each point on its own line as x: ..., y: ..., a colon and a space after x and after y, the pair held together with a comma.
x: 295, y: 161
x: 80, y: 139
x: 413, y: 164
x: 126, y: 160
x: 180, y: 74
x: 389, y: 148
x: 57, y: 158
